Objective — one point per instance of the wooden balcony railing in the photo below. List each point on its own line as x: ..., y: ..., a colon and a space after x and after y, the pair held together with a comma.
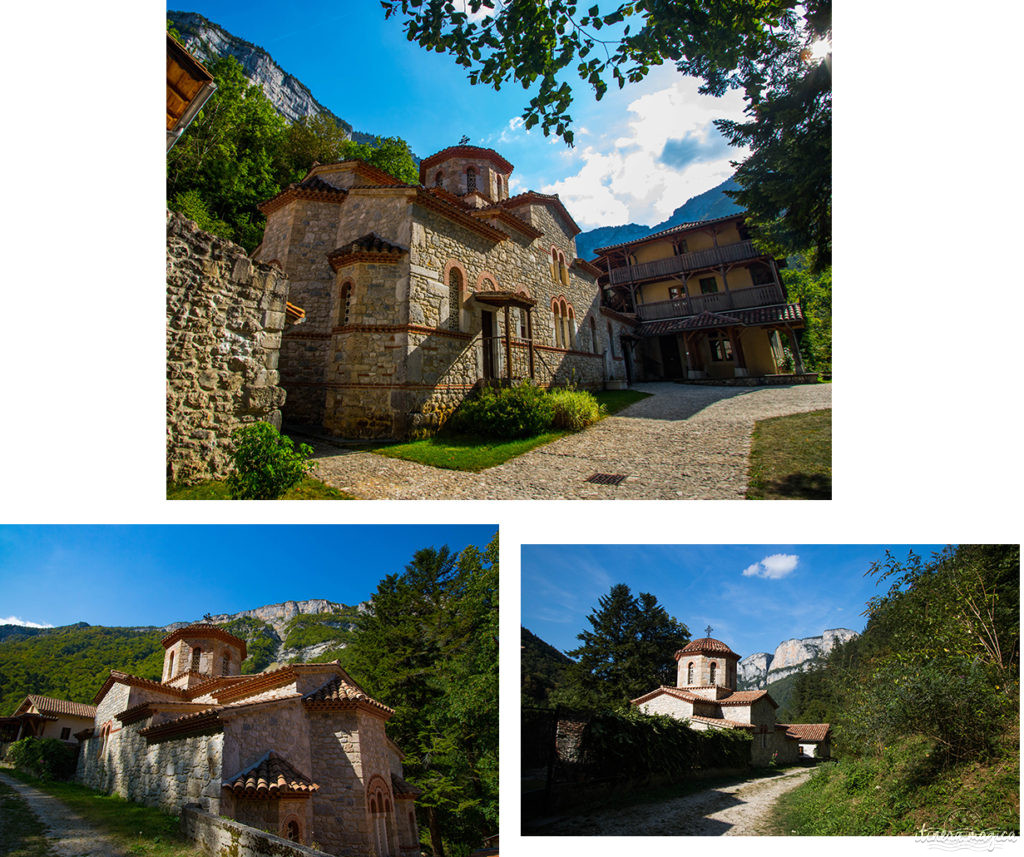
x: 768, y: 295
x: 710, y: 258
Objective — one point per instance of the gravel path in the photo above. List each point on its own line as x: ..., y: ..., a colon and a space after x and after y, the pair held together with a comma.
x: 743, y: 809
x: 683, y: 443
x: 69, y: 834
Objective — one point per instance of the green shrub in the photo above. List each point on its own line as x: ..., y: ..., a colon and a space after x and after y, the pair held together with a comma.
x: 506, y: 412
x: 46, y: 758
x: 574, y: 409
x: 266, y: 463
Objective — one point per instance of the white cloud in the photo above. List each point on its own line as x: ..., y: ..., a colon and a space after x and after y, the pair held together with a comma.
x: 623, y: 178
x: 14, y: 620
x: 773, y: 567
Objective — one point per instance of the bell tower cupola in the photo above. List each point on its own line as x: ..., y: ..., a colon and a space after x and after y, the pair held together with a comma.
x: 197, y: 653
x: 476, y: 175
x: 707, y: 667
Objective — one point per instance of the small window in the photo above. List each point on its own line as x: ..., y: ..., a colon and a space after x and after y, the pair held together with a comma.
x: 346, y: 302
x: 454, y: 298
x: 197, y: 653
x: 170, y: 666
x: 714, y: 670
x: 470, y: 179
x: 681, y: 246
x: 708, y: 285
x: 225, y: 664
x: 689, y: 673
x: 721, y: 348
x: 497, y: 183
x: 523, y: 330
x: 760, y: 275
x: 673, y: 293
x: 65, y: 733
x: 292, y: 831
x: 438, y: 178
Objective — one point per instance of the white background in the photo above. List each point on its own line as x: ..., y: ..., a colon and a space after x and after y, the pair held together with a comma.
x: 927, y: 310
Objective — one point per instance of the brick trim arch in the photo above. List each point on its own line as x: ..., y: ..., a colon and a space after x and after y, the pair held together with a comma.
x: 485, y: 275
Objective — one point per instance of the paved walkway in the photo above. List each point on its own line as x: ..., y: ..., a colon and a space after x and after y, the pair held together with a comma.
x: 683, y: 443
x: 741, y: 809
x: 69, y: 834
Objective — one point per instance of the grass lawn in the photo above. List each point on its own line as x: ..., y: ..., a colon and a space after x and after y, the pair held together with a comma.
x: 791, y: 458
x: 143, y: 831
x: 217, y: 489
x: 459, y: 452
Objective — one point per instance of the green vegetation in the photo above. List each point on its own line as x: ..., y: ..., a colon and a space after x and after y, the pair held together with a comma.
x: 306, y: 630
x: 73, y: 662
x: 761, y: 48
x: 239, y: 152
x: 543, y: 668
x: 261, y: 642
x: 813, y: 291
x: 141, y: 831
x: 791, y: 458
x: 453, y: 451
x: 21, y: 833
x: 508, y: 413
x: 628, y: 649
x: 924, y: 704
x: 306, y: 488
x: 45, y: 758
x: 574, y: 410
x: 266, y: 462
x: 428, y: 645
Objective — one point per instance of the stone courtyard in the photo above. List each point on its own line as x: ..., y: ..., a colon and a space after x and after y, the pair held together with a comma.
x: 683, y: 443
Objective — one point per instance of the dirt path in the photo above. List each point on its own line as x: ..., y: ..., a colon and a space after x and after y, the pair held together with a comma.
x: 69, y: 835
x: 683, y: 443
x: 743, y: 809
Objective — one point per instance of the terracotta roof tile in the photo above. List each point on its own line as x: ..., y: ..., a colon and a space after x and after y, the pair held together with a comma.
x: 341, y: 692
x: 532, y: 196
x: 464, y: 152
x: 118, y: 677
x: 681, y: 227
x: 807, y: 731
x: 706, y: 644
x: 271, y: 777
x: 202, y: 629
x: 745, y: 697
x: 49, y: 705
x: 722, y: 722
x: 778, y: 314
x: 207, y: 720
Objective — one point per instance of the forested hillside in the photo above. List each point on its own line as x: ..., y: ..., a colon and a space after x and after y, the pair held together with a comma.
x: 924, y: 705
x: 543, y: 668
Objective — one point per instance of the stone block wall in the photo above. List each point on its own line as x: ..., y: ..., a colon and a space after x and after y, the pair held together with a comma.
x: 340, y: 818
x: 222, y: 837
x: 225, y: 317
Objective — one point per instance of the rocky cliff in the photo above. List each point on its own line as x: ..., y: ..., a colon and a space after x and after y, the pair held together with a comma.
x: 207, y: 41
x: 760, y: 669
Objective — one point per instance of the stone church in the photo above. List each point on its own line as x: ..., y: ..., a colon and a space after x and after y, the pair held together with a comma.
x: 705, y: 696
x: 415, y: 294
x: 301, y: 751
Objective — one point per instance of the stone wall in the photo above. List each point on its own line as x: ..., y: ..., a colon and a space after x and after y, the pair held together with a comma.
x: 221, y: 837
x: 225, y: 317
x: 167, y: 774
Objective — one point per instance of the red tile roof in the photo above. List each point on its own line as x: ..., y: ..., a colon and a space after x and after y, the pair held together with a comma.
x: 118, y: 677
x: 745, y: 697
x: 677, y: 692
x: 342, y: 692
x: 807, y: 731
x: 705, y: 645
x: 199, y: 722
x: 532, y: 197
x: 682, y: 227
x: 201, y: 629
x: 469, y: 152
x: 778, y: 314
x: 402, y: 789
x: 271, y: 777
x: 369, y: 248
x: 49, y: 705
x: 722, y: 722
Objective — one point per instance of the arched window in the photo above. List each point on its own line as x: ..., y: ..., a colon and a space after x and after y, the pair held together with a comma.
x: 470, y: 179
x: 170, y: 666
x: 497, y: 182
x: 714, y: 668
x: 563, y: 269
x: 556, y: 320
x: 689, y: 673
x: 454, y: 298
x: 437, y: 179
x: 225, y: 664
x: 554, y: 264
x: 570, y: 341
x: 593, y: 335
x: 291, y: 832
x: 346, y: 303
x: 197, y: 653
x: 611, y: 339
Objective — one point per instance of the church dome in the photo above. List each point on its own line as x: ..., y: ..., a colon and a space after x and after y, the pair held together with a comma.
x: 706, y: 646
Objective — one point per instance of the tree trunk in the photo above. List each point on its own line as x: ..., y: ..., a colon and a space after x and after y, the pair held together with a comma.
x: 435, y: 834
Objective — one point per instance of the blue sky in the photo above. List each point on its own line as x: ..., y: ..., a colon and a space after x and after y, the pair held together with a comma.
x: 640, y: 153
x: 155, y: 575
x: 753, y: 596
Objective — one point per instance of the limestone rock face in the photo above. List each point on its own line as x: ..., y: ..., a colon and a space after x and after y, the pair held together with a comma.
x: 208, y: 41
x: 757, y: 671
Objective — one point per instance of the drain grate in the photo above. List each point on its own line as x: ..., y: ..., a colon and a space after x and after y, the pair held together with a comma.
x: 606, y: 478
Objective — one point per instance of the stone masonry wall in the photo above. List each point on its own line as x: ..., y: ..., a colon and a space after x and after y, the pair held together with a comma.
x: 340, y: 822
x: 221, y: 837
x: 225, y: 317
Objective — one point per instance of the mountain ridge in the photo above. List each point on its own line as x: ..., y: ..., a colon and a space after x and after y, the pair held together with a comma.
x: 760, y: 669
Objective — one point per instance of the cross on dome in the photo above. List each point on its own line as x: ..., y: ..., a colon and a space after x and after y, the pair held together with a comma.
x: 708, y: 630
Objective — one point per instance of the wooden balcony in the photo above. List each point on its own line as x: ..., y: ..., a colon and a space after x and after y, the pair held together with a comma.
x: 721, y: 302
x: 724, y: 255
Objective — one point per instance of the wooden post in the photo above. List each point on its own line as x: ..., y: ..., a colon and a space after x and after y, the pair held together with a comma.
x: 529, y: 336
x: 725, y: 282
x: 737, y: 349
x: 508, y: 347
x: 798, y: 361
